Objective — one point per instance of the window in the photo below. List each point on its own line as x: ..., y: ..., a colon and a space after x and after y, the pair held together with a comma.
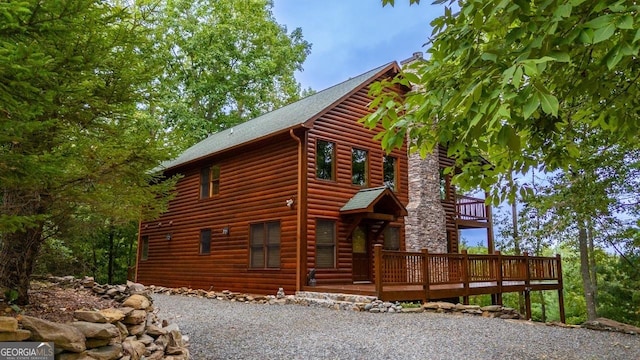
x: 389, y: 165
x: 265, y: 245
x: 325, y: 244
x: 392, y: 238
x: 145, y: 248
x: 209, y: 181
x: 359, y: 167
x: 325, y: 160
x: 205, y: 241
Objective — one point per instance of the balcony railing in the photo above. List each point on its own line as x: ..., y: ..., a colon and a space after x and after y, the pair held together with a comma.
x: 470, y: 208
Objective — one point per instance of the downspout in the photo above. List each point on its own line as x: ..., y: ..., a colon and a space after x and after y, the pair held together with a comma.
x: 299, y: 208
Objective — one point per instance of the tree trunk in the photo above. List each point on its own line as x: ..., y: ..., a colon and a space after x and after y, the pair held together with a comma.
x: 18, y: 253
x: 587, y: 285
x: 110, y: 262
x: 543, y: 307
x: 516, y: 247
x: 19, y: 249
x: 592, y: 263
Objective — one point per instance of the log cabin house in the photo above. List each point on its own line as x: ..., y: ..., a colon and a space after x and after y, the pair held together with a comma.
x: 306, y: 187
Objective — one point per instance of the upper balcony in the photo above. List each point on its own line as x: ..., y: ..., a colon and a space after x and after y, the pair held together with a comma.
x: 472, y: 212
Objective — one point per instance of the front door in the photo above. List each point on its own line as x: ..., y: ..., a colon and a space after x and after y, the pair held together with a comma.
x: 361, y: 263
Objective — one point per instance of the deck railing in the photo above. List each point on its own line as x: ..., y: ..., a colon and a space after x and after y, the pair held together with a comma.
x: 470, y: 208
x: 451, y: 275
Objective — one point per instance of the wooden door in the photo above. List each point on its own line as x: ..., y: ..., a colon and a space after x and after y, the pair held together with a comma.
x: 361, y: 262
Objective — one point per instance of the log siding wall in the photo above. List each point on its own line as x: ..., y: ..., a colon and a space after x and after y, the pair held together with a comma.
x: 254, y: 185
x: 325, y: 198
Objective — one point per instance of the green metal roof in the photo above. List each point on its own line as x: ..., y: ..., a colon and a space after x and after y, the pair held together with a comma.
x: 285, y: 118
x: 363, y: 199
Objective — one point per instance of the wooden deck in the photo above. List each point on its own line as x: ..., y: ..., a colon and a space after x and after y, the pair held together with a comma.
x: 405, y: 276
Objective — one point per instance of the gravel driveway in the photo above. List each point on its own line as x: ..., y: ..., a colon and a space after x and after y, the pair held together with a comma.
x: 230, y: 330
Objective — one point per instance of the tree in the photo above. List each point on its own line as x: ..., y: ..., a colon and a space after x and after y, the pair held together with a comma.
x: 514, y: 81
x: 74, y: 78
x: 227, y: 61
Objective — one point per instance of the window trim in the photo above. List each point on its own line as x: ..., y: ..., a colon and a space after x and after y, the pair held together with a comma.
x: 144, y: 251
x: 333, y: 160
x: 266, y: 246
x: 396, y: 164
x: 334, y: 224
x: 366, y: 167
x: 202, y: 232
x: 212, y: 183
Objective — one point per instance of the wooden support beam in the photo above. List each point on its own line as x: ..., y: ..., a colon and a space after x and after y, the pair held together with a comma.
x: 465, y: 276
x: 377, y: 252
x: 560, y: 289
x: 425, y: 275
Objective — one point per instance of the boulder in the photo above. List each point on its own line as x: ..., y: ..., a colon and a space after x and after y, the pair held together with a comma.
x: 18, y: 335
x: 135, y: 317
x: 112, y: 315
x: 122, y: 328
x: 96, y: 331
x: 65, y: 337
x: 135, y: 349
x: 96, y: 343
x: 135, y: 288
x: 137, y: 301
x: 110, y: 352
x: 8, y: 323
x: 89, y: 316
x: 73, y: 356
x: 155, y: 331
x: 136, y: 329
x: 145, y: 339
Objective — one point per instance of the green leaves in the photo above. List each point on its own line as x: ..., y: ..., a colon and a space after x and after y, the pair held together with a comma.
x: 515, y: 81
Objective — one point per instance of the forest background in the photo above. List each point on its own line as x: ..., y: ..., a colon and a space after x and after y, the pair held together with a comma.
x: 95, y: 95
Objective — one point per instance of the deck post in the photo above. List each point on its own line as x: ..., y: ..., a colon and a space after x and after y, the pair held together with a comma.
x: 560, y: 289
x: 377, y: 252
x: 425, y: 275
x: 527, y: 286
x: 498, y: 297
x: 465, y: 276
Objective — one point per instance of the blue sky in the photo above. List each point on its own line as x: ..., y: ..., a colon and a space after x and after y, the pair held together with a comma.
x: 350, y: 37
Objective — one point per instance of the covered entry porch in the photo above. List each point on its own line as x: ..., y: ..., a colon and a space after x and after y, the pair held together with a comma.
x: 408, y: 276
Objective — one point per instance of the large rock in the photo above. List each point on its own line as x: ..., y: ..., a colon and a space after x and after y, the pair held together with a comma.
x: 96, y: 343
x: 135, y: 317
x: 110, y: 352
x: 18, y: 335
x: 134, y: 348
x: 137, y: 301
x: 8, y: 324
x: 136, y: 329
x: 64, y: 337
x: 90, y: 316
x: 605, y: 324
x: 96, y: 331
x: 113, y: 315
x: 73, y: 356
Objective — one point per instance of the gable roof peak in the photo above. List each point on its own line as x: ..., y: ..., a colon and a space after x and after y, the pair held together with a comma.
x: 294, y: 115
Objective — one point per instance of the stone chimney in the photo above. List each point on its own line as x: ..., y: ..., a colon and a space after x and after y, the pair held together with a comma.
x: 425, y: 225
